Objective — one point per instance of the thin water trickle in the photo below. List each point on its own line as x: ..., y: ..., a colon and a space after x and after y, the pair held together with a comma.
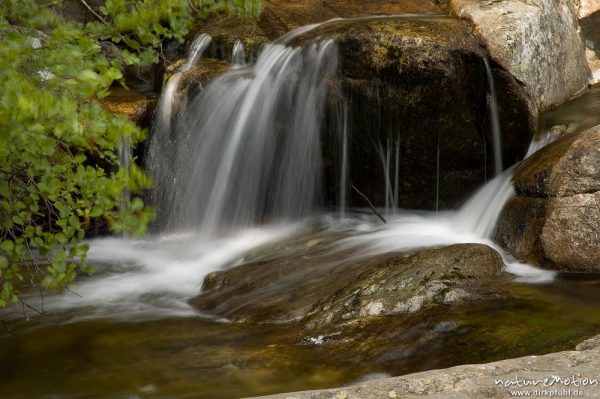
x: 344, y: 164
x: 125, y: 155
x: 494, y: 119
x: 238, y: 55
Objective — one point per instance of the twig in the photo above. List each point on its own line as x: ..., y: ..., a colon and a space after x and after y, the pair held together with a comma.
x: 7, y: 328
x: 370, y: 204
x: 94, y: 12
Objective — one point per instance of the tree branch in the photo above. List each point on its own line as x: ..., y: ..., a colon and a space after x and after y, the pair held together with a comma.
x: 94, y: 12
x: 370, y: 204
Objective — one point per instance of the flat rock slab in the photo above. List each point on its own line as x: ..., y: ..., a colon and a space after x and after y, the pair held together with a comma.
x: 577, y: 370
x: 325, y: 290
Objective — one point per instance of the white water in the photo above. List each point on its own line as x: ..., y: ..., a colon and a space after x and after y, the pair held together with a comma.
x: 247, y: 149
x: 238, y: 56
x: 162, y: 133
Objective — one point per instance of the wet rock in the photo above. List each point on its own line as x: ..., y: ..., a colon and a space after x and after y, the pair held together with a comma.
x: 321, y: 292
x: 280, y: 16
x: 199, y: 75
x: 554, y: 220
x: 418, y: 88
x: 537, y: 42
x: 491, y: 380
x: 136, y: 106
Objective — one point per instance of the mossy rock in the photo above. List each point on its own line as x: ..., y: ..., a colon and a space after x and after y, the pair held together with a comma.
x: 320, y: 291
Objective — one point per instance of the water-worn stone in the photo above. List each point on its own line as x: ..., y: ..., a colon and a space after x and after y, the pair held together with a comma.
x: 419, y: 87
x: 536, y: 41
x: 321, y: 292
x: 554, y: 220
x: 563, y: 371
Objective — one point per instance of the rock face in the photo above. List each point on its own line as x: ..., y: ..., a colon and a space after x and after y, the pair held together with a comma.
x: 329, y: 293
x: 536, y: 41
x: 590, y: 30
x: 491, y: 380
x: 555, y: 218
x: 417, y: 90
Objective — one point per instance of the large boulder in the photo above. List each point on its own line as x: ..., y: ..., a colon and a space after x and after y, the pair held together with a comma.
x: 320, y: 292
x: 418, y: 92
x: 536, y: 41
x: 590, y: 30
x: 554, y: 220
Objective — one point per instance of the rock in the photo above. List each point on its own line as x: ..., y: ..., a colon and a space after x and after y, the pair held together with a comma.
x: 280, y: 16
x: 564, y: 371
x: 587, y: 7
x: 554, y: 220
x: 537, y: 42
x: 199, y: 75
x: 571, y: 233
x: 590, y: 31
x: 392, y: 74
x: 329, y: 293
x: 136, y: 106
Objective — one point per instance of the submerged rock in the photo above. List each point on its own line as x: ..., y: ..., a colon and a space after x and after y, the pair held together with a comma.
x: 320, y: 291
x: 554, y: 220
x: 537, y: 42
x: 564, y: 372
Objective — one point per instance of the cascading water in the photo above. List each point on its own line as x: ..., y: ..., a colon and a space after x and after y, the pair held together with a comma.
x: 238, y: 55
x: 494, y: 119
x: 163, y: 144
x: 390, y: 162
x: 247, y: 148
x: 125, y: 155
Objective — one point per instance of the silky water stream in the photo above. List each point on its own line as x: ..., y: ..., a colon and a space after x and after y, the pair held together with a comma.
x: 128, y: 330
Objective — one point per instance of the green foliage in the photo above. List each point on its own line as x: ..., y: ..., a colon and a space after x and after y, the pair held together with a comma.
x: 59, y: 169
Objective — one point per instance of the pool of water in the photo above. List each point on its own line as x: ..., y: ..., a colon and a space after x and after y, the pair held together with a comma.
x: 128, y: 330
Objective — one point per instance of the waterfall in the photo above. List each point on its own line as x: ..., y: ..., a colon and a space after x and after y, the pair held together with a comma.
x: 125, y: 152
x: 162, y: 144
x: 238, y: 55
x: 247, y: 149
x: 390, y: 163
x: 480, y: 213
x: 494, y: 119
